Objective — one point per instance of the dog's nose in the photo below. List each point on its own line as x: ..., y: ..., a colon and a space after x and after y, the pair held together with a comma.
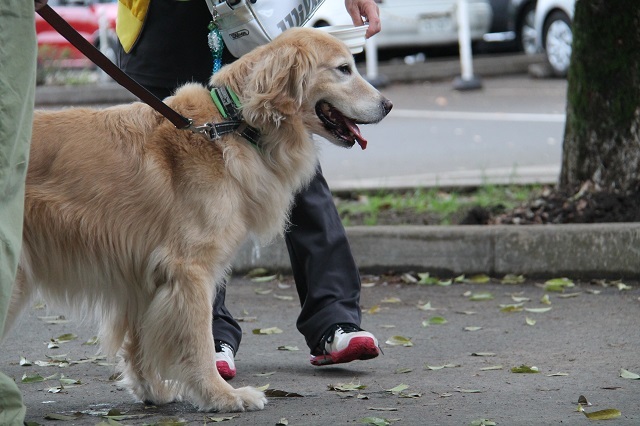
x: 387, y: 105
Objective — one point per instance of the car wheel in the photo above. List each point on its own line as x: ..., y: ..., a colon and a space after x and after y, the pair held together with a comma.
x: 526, y: 31
x: 558, y: 37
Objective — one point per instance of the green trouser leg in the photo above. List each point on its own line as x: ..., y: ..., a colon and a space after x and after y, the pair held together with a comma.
x: 17, y: 88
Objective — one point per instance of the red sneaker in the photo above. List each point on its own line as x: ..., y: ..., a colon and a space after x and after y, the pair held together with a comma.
x: 224, y: 360
x: 345, y: 343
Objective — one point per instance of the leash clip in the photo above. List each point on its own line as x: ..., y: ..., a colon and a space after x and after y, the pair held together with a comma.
x: 207, y: 130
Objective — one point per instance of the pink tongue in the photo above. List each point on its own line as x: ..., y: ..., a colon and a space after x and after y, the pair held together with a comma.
x: 356, y: 132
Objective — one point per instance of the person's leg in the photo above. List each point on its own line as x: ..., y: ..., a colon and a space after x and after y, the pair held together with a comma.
x: 326, y: 276
x: 17, y: 89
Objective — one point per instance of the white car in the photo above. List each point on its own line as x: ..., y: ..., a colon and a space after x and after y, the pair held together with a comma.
x: 554, y: 35
x: 413, y: 23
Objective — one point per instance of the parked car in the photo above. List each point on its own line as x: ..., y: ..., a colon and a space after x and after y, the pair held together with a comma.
x: 413, y: 23
x: 554, y: 34
x: 512, y: 26
x: 84, y: 16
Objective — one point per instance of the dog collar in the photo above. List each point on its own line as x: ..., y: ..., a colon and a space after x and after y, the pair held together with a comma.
x: 229, y: 106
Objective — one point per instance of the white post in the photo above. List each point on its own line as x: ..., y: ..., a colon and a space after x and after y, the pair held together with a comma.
x: 466, y: 81
x: 104, y: 41
x: 371, y: 63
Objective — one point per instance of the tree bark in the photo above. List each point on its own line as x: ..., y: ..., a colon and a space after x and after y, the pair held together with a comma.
x: 602, y: 131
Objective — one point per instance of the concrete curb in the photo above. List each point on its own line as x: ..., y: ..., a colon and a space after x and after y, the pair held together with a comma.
x: 576, y: 251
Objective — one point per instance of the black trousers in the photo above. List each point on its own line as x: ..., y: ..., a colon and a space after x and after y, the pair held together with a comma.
x: 325, y: 273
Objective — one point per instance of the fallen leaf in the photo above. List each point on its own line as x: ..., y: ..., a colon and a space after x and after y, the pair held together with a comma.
x: 472, y: 328
x: 468, y: 390
x: 520, y: 299
x: 35, y: 378
x: 530, y: 321
x: 538, y: 310
x: 623, y: 287
x: 275, y: 393
x: 347, y: 387
x: 63, y: 417
x: 277, y: 296
x: 545, y: 300
x: 288, y: 348
x: 382, y: 408
x: 263, y: 291
x: 558, y: 284
x: 391, y: 300
x: 92, y: 341
x: 525, y: 369
x: 483, y: 422
x: 397, y: 389
x: 408, y: 278
x: 66, y: 337
x: 426, y: 279
x: 375, y: 421
x: 483, y: 354
x: 513, y: 279
x: 374, y: 309
x: 626, y: 374
x: 517, y: 307
x: 399, y: 341
x: 493, y: 367
x: 426, y: 307
x: 479, y: 279
x: 282, y: 422
x: 269, y: 330
x: 54, y: 319
x: 264, y: 279
x: 221, y: 419
x: 568, y: 295
x: 476, y: 297
x: 608, y: 414
x: 436, y: 367
x: 557, y: 374
x: 437, y: 321
x: 403, y: 370
x: 257, y: 272
x: 270, y: 373
x: 25, y: 362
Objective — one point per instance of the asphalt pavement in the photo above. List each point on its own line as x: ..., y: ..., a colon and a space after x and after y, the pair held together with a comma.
x: 579, y: 347
x: 587, y: 337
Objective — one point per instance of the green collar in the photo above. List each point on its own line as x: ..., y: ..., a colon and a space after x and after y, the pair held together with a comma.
x: 229, y: 106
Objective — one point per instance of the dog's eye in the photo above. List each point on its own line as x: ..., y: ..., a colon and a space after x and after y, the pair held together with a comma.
x: 345, y: 69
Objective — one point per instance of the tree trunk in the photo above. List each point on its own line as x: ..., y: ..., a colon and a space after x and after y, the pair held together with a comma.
x: 602, y: 132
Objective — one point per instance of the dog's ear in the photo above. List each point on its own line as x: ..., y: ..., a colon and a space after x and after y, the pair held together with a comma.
x: 276, y: 84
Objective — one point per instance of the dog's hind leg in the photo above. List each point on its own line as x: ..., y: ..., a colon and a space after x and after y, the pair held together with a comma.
x: 177, y: 344
x: 21, y: 294
x: 148, y: 389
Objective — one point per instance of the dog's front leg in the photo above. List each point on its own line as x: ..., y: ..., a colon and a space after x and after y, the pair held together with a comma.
x: 178, y: 345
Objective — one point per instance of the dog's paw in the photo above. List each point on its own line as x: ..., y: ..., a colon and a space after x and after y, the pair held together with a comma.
x: 241, y: 399
x: 252, y: 398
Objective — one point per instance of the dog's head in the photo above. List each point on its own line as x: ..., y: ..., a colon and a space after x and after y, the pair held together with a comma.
x: 310, y: 75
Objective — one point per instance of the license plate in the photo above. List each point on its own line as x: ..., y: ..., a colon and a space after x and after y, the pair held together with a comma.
x: 436, y: 24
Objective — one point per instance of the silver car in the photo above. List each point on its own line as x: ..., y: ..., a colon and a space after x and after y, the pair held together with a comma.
x: 554, y: 34
x: 414, y: 23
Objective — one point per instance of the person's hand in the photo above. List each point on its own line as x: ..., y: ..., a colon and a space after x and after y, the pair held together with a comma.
x: 367, y: 9
x: 39, y: 3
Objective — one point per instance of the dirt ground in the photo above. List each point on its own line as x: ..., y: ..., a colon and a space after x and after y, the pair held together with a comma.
x: 552, y: 206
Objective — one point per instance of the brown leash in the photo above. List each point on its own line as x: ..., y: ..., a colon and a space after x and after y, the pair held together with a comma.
x: 84, y: 46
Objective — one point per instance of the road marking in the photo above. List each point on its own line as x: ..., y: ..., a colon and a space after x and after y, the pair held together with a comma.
x: 479, y: 116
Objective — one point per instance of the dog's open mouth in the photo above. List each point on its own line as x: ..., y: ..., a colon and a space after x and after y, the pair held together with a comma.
x: 340, y: 126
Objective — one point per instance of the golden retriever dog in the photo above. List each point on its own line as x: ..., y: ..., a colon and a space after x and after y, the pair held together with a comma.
x: 134, y: 222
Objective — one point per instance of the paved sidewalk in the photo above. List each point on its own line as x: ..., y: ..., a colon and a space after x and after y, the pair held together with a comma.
x: 587, y: 338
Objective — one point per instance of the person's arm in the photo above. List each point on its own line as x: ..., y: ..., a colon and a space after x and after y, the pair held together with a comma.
x: 367, y: 9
